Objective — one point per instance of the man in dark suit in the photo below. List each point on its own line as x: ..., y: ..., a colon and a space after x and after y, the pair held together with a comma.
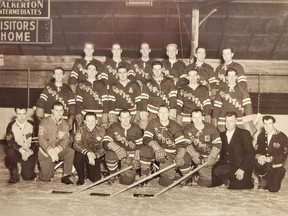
x: 235, y: 166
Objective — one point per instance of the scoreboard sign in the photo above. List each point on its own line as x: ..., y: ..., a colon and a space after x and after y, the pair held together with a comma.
x: 24, y: 31
x: 28, y: 9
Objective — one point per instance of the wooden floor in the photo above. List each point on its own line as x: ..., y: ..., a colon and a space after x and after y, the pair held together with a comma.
x: 36, y: 198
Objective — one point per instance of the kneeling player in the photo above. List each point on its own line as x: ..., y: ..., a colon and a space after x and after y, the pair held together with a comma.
x: 164, y: 142
x: 123, y: 142
x: 89, y: 149
x: 204, y: 144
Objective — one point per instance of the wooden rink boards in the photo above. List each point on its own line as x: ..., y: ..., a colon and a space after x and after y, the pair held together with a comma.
x: 36, y: 198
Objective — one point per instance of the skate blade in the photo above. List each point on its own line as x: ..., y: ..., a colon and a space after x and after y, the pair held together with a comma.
x: 100, y: 194
x: 62, y: 192
x: 142, y: 195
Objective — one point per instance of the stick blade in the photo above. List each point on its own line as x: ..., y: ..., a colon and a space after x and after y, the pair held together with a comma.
x: 100, y: 194
x: 142, y: 195
x: 61, y: 192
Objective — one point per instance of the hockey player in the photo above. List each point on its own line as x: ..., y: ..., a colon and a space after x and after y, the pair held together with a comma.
x: 159, y: 90
x: 123, y: 142
x: 109, y: 75
x: 164, y: 142
x: 193, y: 96
x: 173, y: 67
x: 230, y: 97
x: 271, y: 153
x: 92, y: 97
x: 203, y: 145
x: 142, y: 66
x: 54, y: 142
x: 124, y: 94
x: 89, y: 150
x: 79, y: 72
x: 57, y: 91
x: 221, y: 70
x: 207, y: 77
x: 22, y: 146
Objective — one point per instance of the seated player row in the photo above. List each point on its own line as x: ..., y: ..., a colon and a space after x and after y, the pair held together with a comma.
x: 163, y: 142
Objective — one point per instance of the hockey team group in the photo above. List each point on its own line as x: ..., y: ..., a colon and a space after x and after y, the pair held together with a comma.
x: 146, y: 116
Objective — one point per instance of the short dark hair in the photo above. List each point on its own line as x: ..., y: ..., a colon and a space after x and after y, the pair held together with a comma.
x: 231, y: 70
x: 57, y: 103
x: 193, y: 69
x: 58, y: 68
x: 21, y: 106
x: 90, y: 114
x: 197, y: 111
x: 267, y: 117
x: 200, y: 47
x: 231, y: 113
x: 121, y: 66
x: 124, y: 111
x: 228, y: 47
x: 93, y: 65
x: 157, y: 63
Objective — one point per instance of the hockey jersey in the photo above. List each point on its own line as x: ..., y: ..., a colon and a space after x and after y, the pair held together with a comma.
x: 130, y: 140
x: 169, y: 137
x: 189, y: 99
x: 228, y: 99
x: 174, y: 70
x: 92, y: 97
x: 142, y: 70
x: 155, y: 94
x: 206, y: 73
x: 241, y: 77
x: 109, y: 74
x: 202, y: 140
x: 79, y: 72
x: 51, y: 93
x: 124, y: 97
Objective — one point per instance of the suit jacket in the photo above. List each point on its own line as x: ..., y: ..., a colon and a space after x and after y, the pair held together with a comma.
x: 239, y: 152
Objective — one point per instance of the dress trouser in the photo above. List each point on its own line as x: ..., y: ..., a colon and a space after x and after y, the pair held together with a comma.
x: 47, y: 166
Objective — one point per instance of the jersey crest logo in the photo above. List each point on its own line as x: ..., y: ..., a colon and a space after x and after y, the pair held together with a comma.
x: 130, y: 90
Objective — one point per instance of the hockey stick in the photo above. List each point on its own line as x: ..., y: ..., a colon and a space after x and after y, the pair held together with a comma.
x: 58, y: 165
x: 136, y: 183
x: 95, y: 183
x: 172, y: 185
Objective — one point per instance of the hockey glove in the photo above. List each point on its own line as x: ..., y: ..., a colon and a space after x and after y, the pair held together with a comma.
x: 136, y: 160
x: 119, y: 151
x: 212, y: 157
x: 194, y: 154
x: 159, y: 152
x: 179, y: 159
